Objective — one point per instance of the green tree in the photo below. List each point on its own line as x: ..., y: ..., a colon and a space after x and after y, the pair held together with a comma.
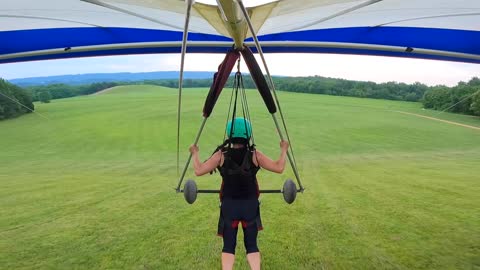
x: 475, y: 81
x: 44, y: 96
x: 475, y: 106
x: 14, y: 101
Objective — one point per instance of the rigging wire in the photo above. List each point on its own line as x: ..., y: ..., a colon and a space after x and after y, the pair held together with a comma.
x: 231, y: 98
x: 463, y: 99
x: 228, y: 113
x: 246, y: 112
x: 234, y: 113
x: 16, y: 101
x: 239, y: 88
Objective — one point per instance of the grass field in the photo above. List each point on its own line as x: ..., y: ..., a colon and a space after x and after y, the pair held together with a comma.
x: 92, y: 186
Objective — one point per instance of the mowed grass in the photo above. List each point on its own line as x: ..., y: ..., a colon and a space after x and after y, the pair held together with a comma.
x: 92, y: 187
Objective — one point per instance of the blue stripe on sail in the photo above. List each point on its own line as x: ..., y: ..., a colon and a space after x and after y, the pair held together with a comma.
x: 446, y: 40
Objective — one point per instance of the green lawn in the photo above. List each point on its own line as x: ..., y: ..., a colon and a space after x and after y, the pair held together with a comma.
x: 92, y: 187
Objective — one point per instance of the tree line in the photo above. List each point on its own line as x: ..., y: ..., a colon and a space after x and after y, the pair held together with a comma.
x: 45, y: 93
x: 14, y: 101
x: 463, y: 98
x: 322, y: 85
x: 313, y: 85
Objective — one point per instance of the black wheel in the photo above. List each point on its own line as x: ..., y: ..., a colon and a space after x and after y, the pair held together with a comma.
x: 289, y: 191
x: 190, y: 191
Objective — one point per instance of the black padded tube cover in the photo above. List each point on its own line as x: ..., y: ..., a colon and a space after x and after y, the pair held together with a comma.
x: 259, y: 79
x: 219, y: 80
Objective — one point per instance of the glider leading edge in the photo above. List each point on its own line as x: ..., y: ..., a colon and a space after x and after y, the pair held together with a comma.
x: 50, y: 29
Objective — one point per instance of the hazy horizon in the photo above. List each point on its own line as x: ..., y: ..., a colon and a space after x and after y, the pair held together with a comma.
x: 351, y: 67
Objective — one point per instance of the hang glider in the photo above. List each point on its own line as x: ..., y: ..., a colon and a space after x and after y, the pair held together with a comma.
x: 52, y: 29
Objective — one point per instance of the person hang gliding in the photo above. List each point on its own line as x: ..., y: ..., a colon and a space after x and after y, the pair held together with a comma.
x: 238, y: 162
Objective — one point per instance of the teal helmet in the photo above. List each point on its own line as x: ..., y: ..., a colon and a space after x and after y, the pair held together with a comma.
x: 241, y: 128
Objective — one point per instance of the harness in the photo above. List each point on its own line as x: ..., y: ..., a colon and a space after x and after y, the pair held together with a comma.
x: 238, y: 175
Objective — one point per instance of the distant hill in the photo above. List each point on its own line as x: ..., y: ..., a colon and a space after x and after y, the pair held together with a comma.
x: 109, y: 77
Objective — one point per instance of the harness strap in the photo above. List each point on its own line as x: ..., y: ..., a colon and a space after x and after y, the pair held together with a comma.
x: 245, y: 168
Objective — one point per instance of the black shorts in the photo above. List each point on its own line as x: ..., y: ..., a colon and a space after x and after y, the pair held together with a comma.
x: 233, y: 213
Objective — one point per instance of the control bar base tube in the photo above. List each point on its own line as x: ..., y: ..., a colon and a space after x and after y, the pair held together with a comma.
x: 261, y: 191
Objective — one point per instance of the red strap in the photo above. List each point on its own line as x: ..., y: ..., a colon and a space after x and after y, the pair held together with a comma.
x: 244, y: 224
x: 235, y: 223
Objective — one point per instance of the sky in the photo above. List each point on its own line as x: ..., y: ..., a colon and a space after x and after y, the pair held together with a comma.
x: 354, y: 67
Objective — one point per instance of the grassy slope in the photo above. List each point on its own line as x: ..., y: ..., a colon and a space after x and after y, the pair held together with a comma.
x: 92, y: 188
